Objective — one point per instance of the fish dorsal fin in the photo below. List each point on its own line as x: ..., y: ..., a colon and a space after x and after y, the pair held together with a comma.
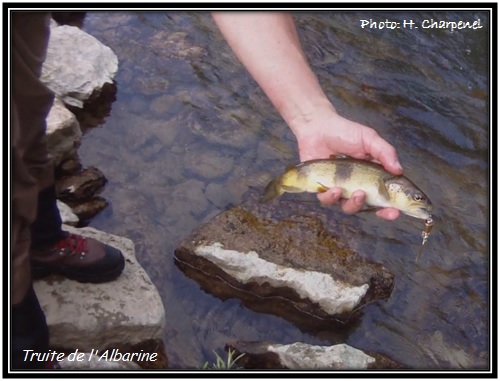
x: 337, y: 156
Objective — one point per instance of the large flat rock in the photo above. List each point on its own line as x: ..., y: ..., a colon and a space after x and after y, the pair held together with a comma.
x: 286, y: 264
x: 117, y: 314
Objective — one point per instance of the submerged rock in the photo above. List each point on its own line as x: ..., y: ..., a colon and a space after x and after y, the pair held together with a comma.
x: 175, y: 45
x: 291, y: 267
x: 208, y: 165
x: 305, y: 356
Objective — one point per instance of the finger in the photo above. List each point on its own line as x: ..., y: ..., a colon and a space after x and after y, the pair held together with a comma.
x: 331, y: 196
x: 355, y: 203
x: 388, y: 213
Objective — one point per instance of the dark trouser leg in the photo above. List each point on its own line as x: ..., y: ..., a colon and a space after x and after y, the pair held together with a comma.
x: 46, y: 229
x: 30, y: 332
x: 32, y: 171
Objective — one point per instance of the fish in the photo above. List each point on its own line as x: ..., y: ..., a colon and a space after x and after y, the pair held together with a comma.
x: 382, y: 188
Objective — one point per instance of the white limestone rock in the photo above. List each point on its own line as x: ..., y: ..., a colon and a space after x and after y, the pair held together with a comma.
x: 305, y: 356
x: 77, y: 64
x: 63, y: 132
x: 334, y: 297
x: 67, y: 215
x: 88, y: 316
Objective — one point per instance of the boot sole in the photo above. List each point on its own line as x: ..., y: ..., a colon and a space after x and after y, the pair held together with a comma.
x: 42, y: 271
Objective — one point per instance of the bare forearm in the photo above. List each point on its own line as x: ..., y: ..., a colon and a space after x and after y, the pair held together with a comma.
x: 268, y: 46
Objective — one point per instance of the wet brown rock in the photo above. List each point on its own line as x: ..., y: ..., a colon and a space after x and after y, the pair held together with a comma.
x: 282, y: 262
x: 69, y: 166
x: 86, y: 210
x: 81, y: 186
x: 96, y: 108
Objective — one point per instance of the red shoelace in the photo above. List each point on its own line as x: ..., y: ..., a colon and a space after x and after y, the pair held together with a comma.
x: 76, y: 244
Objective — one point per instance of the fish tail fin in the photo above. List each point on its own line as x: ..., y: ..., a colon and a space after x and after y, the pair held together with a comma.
x: 273, y: 190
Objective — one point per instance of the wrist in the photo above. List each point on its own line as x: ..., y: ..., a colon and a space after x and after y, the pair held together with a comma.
x: 302, y: 119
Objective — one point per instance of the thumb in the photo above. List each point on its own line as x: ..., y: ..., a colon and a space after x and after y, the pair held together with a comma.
x: 386, y: 154
x: 390, y: 161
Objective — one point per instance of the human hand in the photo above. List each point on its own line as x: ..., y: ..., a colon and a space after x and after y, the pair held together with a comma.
x: 326, y: 133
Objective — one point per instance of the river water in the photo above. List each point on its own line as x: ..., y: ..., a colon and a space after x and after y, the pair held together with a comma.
x: 190, y: 131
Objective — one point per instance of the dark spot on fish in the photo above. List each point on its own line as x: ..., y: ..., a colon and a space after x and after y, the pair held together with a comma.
x: 342, y: 173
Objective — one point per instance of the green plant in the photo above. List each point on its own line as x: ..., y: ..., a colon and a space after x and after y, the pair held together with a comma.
x: 220, y: 364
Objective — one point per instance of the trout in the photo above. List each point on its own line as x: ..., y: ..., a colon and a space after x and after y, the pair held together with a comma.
x: 382, y: 188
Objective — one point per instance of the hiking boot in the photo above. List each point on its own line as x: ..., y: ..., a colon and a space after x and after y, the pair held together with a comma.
x: 79, y: 258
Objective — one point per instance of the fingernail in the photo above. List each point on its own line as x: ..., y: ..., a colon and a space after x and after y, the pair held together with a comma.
x: 398, y: 166
x: 358, y: 199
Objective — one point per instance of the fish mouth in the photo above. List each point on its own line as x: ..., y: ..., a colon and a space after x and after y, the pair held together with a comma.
x: 422, y: 213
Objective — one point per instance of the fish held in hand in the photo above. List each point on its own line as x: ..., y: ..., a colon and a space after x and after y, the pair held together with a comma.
x: 382, y: 188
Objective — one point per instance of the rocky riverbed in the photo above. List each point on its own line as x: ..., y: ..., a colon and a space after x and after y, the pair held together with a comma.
x: 181, y: 96
x: 281, y: 267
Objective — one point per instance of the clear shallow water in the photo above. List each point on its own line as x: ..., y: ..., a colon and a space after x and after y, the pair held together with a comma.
x: 190, y: 131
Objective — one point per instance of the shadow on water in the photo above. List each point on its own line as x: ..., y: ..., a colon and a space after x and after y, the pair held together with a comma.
x: 190, y: 132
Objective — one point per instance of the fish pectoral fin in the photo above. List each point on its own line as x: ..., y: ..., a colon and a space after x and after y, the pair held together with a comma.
x: 292, y: 189
x: 272, y: 191
x: 382, y: 190
x: 322, y: 188
x: 368, y: 208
